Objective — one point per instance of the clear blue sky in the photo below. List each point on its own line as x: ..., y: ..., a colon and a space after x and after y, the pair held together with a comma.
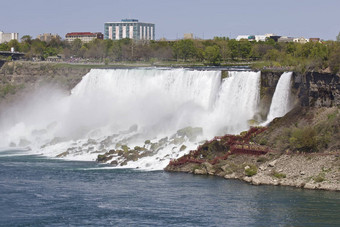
x: 173, y: 18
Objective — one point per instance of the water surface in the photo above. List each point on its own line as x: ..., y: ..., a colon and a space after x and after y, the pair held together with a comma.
x: 36, y: 191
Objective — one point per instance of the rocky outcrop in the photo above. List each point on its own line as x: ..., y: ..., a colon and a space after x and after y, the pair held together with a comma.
x: 309, y: 171
x: 31, y: 74
x: 19, y: 78
x: 311, y: 89
x: 318, y: 89
x: 2, y: 62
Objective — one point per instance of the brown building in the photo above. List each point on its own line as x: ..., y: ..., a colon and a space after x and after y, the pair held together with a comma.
x: 85, y: 37
x: 47, y: 37
x: 315, y: 40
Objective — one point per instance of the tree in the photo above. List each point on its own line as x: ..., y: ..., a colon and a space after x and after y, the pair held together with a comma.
x: 212, y: 54
x: 334, y: 61
x: 338, y: 37
x: 4, y: 47
x: 184, y: 49
x: 14, y: 43
x: 233, y: 47
x: 75, y: 46
x: 26, y: 39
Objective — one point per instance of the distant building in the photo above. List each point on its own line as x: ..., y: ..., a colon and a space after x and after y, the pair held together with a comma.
x: 301, y: 40
x: 47, y: 37
x: 6, y: 37
x: 256, y: 38
x: 262, y: 38
x: 85, y: 37
x: 188, y: 36
x: 285, y: 39
x: 243, y: 37
x: 275, y: 37
x: 315, y: 40
x: 129, y: 28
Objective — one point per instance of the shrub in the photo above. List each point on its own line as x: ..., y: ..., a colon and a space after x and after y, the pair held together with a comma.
x: 279, y: 175
x: 304, y: 139
x: 251, y: 171
x: 319, y: 178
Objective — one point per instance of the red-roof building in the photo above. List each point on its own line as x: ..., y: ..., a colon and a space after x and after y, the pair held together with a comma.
x: 85, y: 37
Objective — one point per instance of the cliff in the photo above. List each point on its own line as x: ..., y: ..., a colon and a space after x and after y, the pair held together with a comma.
x: 311, y: 89
x: 18, y: 78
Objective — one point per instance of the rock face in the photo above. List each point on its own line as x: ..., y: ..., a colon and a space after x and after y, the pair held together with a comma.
x: 318, y: 89
x: 311, y: 89
x: 26, y: 76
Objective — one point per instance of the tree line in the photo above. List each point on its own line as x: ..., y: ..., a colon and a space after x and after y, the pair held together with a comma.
x: 220, y: 50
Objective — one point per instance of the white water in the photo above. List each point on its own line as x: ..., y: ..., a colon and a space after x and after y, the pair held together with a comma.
x: 281, y: 99
x: 130, y: 106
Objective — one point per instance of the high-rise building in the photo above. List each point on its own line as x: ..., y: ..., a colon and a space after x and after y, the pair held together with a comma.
x: 129, y: 28
x: 6, y: 37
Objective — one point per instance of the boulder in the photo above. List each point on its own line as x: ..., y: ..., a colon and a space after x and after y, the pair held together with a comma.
x: 272, y: 163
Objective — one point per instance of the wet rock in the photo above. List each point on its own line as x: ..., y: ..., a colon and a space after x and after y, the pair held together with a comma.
x: 61, y: 155
x: 103, y: 158
x: 190, y: 132
x: 183, y: 147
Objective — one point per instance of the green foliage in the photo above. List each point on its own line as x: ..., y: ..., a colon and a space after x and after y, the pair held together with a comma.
x: 251, y: 171
x: 263, y: 141
x: 304, y: 139
x: 212, y: 54
x: 7, y: 89
x: 319, y: 178
x: 300, y: 57
x: 4, y: 47
x: 279, y: 175
x: 184, y: 49
x: 262, y: 159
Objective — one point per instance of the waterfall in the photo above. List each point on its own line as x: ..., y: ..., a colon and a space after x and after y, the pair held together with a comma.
x: 281, y: 99
x: 155, y: 114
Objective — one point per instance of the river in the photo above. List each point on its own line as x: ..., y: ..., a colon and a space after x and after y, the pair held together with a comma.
x: 38, y: 191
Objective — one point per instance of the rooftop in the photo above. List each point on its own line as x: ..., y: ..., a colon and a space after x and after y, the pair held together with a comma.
x: 79, y: 34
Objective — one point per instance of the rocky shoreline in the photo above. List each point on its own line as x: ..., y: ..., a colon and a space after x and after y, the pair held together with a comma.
x: 308, y: 171
x: 300, y: 149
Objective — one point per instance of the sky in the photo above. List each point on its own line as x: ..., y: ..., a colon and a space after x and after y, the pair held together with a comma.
x: 172, y: 18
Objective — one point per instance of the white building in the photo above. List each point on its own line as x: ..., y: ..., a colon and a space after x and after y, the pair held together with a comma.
x: 257, y: 38
x: 6, y: 37
x: 129, y: 28
x: 239, y: 37
x: 300, y: 40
